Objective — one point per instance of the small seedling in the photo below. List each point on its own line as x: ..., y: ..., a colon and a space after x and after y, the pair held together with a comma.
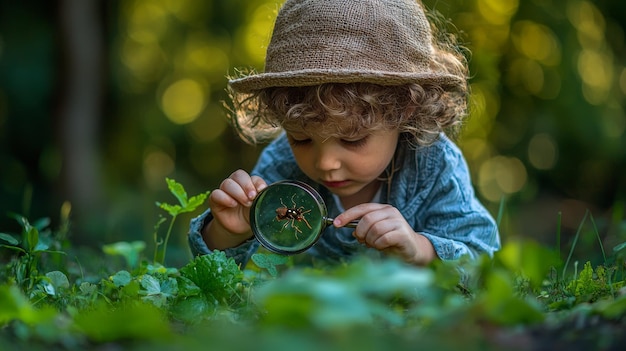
x: 185, y: 205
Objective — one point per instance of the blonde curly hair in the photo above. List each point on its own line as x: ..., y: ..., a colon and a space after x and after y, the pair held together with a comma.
x: 345, y: 109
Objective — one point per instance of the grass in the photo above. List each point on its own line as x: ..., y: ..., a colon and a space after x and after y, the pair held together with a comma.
x: 525, y: 293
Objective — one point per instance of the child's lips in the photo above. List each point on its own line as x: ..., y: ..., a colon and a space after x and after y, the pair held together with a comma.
x: 336, y: 184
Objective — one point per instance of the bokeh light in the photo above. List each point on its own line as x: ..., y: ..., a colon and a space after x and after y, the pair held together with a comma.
x: 589, y: 23
x: 500, y: 176
x: 525, y: 76
x: 596, y: 71
x: 256, y: 34
x: 594, y: 62
x: 209, y: 126
x: 484, y: 107
x: 537, y: 42
x: 183, y: 100
x: 146, y: 21
x: 497, y: 11
x: 156, y: 166
x: 204, y: 54
x: 534, y: 72
x: 145, y: 61
x: 542, y: 151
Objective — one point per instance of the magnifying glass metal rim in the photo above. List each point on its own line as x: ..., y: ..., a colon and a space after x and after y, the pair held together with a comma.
x: 318, y: 200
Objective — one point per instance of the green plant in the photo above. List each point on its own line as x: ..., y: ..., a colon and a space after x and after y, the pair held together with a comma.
x: 130, y: 251
x: 210, y: 302
x: 269, y: 262
x: 185, y: 204
x: 24, y: 269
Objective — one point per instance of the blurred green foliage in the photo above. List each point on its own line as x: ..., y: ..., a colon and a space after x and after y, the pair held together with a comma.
x: 102, y: 100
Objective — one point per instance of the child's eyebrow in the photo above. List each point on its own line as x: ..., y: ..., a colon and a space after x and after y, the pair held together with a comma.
x: 294, y: 130
x: 355, y: 132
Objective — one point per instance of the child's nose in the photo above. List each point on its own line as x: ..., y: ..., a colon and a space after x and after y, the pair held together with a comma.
x: 326, y: 159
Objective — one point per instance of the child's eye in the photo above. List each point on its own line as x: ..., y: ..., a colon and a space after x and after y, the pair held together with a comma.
x: 355, y: 142
x: 298, y: 142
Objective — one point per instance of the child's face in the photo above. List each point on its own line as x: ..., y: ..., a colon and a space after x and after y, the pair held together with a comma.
x: 347, y: 166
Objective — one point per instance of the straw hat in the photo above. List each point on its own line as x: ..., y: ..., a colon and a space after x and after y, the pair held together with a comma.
x: 386, y: 42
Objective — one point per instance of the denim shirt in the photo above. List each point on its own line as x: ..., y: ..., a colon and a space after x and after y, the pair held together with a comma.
x: 430, y: 186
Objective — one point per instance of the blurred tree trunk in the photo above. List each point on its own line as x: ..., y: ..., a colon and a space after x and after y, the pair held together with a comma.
x: 81, y: 29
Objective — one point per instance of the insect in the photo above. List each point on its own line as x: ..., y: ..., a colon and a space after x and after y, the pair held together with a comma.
x: 291, y: 215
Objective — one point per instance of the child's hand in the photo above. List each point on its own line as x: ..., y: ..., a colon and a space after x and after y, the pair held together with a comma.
x: 230, y: 204
x: 384, y: 228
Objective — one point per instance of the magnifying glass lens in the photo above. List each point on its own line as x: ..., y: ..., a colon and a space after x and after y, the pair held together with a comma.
x: 288, y: 217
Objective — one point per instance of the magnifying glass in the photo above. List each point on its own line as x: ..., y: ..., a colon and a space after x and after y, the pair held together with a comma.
x: 289, y: 216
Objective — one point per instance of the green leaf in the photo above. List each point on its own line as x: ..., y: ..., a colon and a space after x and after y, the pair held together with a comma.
x: 177, y: 190
x: 121, y: 278
x: 150, y: 284
x: 48, y: 288
x: 269, y: 262
x: 619, y: 247
x: 272, y: 271
x: 196, y: 201
x: 14, y: 248
x: 32, y: 238
x: 159, y: 300
x: 131, y: 251
x: 43, y: 247
x: 186, y: 287
x: 9, y: 239
x: 157, y: 268
x: 169, y: 287
x: 277, y: 259
x: 260, y: 260
x: 58, y: 279
x: 87, y: 288
x: 214, y: 274
x: 173, y: 210
x: 41, y: 223
x: 30, y: 234
x: 186, y: 204
x: 192, y: 309
x: 157, y: 292
x: 131, y: 289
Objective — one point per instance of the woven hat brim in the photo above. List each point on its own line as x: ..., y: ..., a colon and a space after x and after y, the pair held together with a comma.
x: 254, y: 82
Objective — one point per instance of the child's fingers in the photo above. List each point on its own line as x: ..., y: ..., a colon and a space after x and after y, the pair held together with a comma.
x: 259, y: 183
x: 349, y: 215
x: 235, y: 191
x: 220, y: 199
x: 357, y: 212
x: 247, y: 185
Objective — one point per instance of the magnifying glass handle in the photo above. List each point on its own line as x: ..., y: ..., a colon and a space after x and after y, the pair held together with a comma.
x: 352, y: 224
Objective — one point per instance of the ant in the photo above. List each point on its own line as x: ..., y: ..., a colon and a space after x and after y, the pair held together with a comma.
x: 292, y: 215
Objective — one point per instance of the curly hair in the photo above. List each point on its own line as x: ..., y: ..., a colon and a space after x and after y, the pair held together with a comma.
x: 421, y: 112
x: 342, y: 110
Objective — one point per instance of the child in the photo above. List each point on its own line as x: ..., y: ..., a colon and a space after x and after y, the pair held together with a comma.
x: 359, y: 96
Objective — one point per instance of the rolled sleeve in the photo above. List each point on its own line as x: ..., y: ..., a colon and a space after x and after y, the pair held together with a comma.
x: 241, y: 253
x: 455, y: 222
